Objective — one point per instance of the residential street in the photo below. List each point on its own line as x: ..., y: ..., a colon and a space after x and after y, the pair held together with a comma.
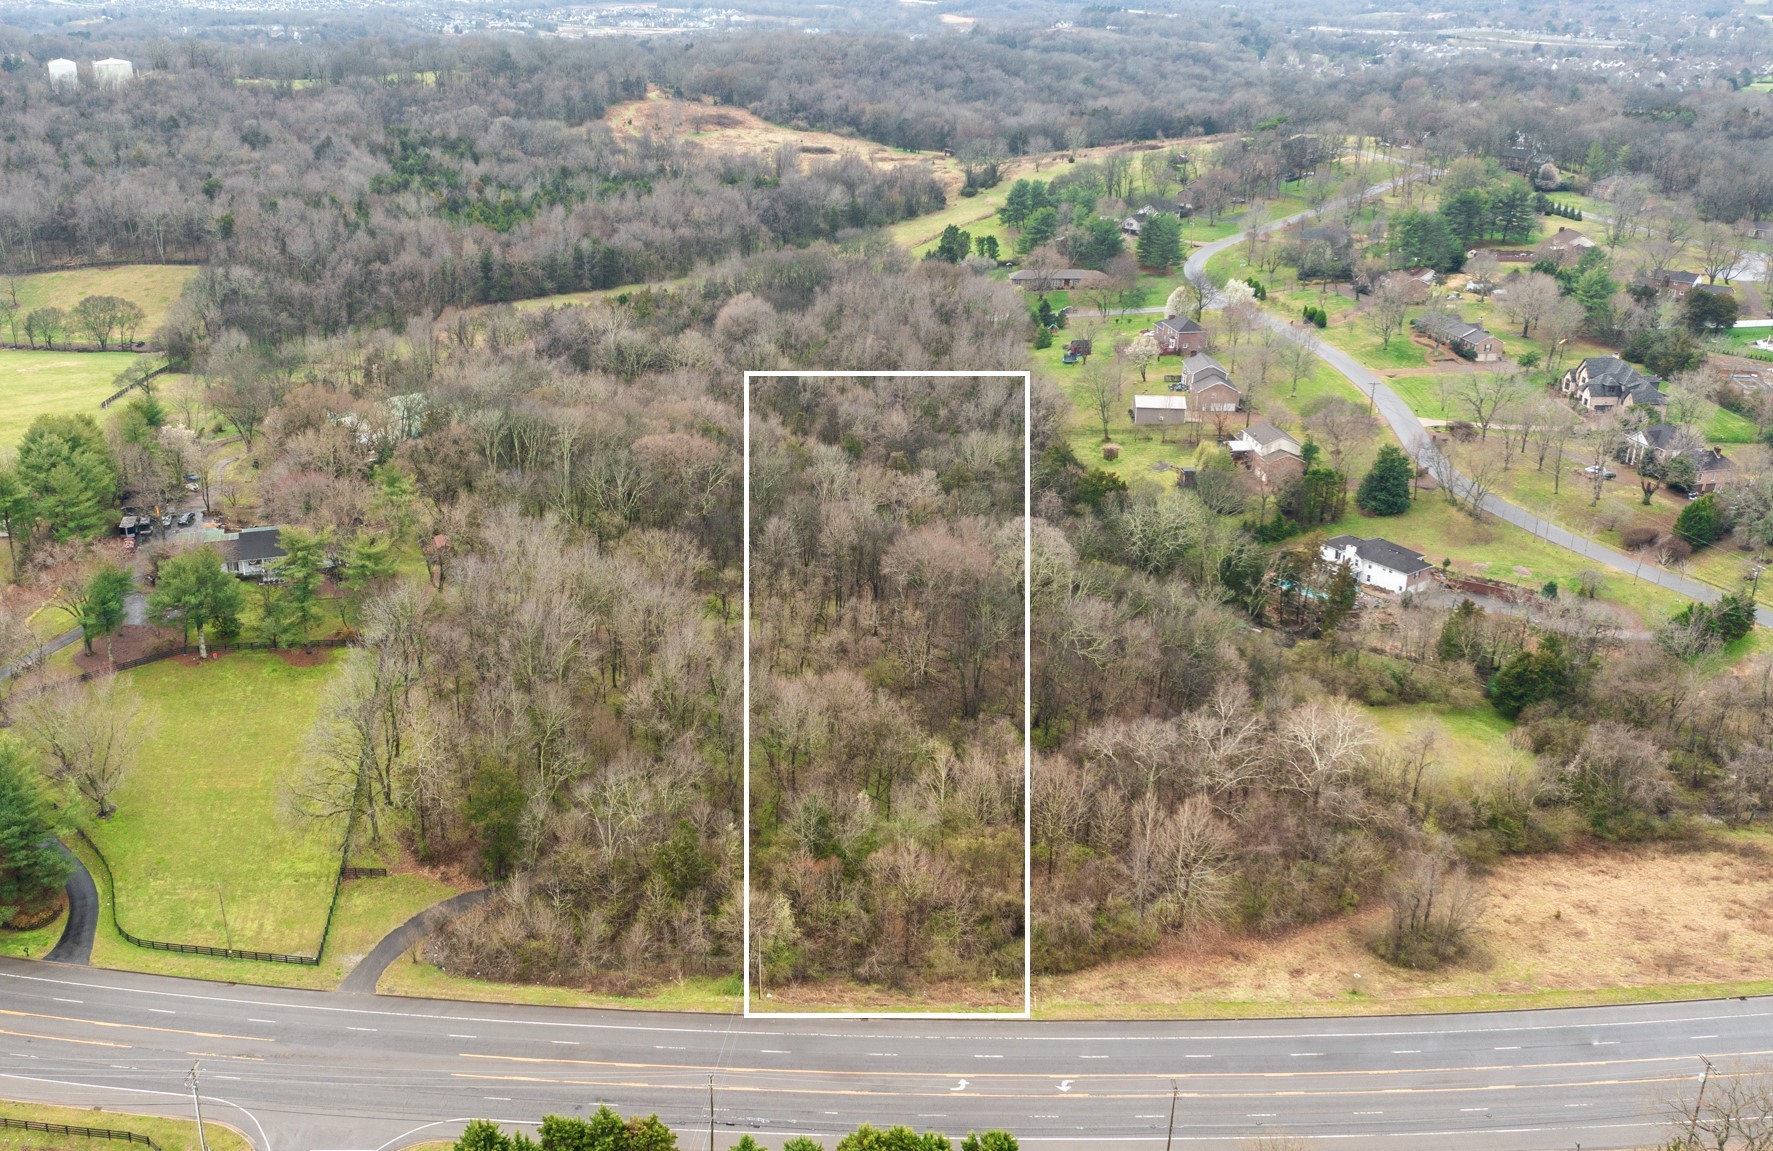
x: 1416, y: 441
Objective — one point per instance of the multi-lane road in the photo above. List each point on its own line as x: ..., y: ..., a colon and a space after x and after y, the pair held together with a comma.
x: 300, y: 1071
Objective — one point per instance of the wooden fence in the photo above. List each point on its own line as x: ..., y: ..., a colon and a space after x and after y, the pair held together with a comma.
x: 86, y: 1132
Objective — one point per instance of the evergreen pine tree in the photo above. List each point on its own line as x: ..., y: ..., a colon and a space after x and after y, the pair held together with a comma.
x: 1385, y: 490
x: 32, y: 868
x: 1160, y: 242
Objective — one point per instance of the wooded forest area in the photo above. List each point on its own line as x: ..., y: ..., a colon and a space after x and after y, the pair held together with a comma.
x: 552, y: 700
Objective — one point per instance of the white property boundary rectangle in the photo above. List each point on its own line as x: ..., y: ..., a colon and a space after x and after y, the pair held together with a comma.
x: 1027, y: 379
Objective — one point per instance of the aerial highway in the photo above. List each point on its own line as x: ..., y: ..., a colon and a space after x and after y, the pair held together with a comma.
x: 331, y: 1071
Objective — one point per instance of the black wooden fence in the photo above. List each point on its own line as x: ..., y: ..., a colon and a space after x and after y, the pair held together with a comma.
x: 187, y: 948
x: 345, y: 871
x: 169, y: 652
x: 87, y: 1132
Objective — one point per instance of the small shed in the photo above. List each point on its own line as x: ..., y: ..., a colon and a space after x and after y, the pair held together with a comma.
x: 1159, y: 410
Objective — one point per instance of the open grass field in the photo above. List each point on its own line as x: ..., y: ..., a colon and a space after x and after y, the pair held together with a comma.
x: 368, y: 910
x: 200, y: 846
x: 1470, y: 743
x: 35, y: 384
x: 151, y: 287
x: 168, y: 1134
x: 1557, y: 931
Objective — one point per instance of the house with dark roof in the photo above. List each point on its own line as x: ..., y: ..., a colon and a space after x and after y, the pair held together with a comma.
x: 1468, y: 340
x: 1179, y: 336
x: 1379, y: 562
x: 1658, y: 443
x: 1676, y: 283
x: 251, y: 552
x: 1711, y: 471
x: 1055, y: 279
x: 1603, y: 383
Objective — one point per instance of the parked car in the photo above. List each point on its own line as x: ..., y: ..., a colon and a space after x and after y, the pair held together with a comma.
x: 191, y: 477
x: 187, y: 519
x: 1598, y: 470
x: 166, y: 520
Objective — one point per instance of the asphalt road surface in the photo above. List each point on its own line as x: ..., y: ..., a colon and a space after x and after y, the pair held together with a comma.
x: 304, y: 1071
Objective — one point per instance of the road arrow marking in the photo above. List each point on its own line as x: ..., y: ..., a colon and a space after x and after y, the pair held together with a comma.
x: 961, y: 1086
x: 1065, y: 1085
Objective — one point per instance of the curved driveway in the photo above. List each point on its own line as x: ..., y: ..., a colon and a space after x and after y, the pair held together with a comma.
x: 1407, y: 427
x: 301, y: 1070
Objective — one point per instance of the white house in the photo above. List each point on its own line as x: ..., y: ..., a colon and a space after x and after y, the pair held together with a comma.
x: 63, y: 74
x: 112, y: 73
x: 1379, y: 562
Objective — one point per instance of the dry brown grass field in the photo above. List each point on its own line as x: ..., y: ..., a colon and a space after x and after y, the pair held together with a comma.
x: 1582, y: 928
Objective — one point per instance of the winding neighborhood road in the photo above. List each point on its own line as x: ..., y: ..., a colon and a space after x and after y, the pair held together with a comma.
x: 302, y: 1071
x: 1407, y: 426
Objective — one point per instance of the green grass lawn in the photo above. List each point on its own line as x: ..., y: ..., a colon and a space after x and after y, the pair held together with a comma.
x: 1470, y: 743
x: 1500, y: 551
x: 51, y: 620
x: 1726, y: 427
x: 34, y: 384
x: 200, y: 823
x: 1428, y: 398
x: 167, y: 1134
x: 35, y: 943
x: 151, y: 287
x: 695, y: 993
x: 368, y: 910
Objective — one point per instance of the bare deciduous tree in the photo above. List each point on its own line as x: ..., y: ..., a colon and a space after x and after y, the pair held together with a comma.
x: 1385, y: 312
x: 1483, y: 394
x: 89, y: 736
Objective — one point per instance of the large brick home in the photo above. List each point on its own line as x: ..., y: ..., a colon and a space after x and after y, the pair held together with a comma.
x: 1179, y: 336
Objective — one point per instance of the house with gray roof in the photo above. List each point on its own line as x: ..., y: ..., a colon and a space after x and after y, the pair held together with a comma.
x: 1379, y: 562
x: 1179, y: 336
x: 1604, y: 383
x: 1468, y: 340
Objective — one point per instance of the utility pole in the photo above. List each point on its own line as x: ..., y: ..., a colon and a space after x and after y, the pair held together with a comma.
x: 1170, y: 1136
x: 710, y: 1113
x: 197, y: 1105
x: 1698, y: 1102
